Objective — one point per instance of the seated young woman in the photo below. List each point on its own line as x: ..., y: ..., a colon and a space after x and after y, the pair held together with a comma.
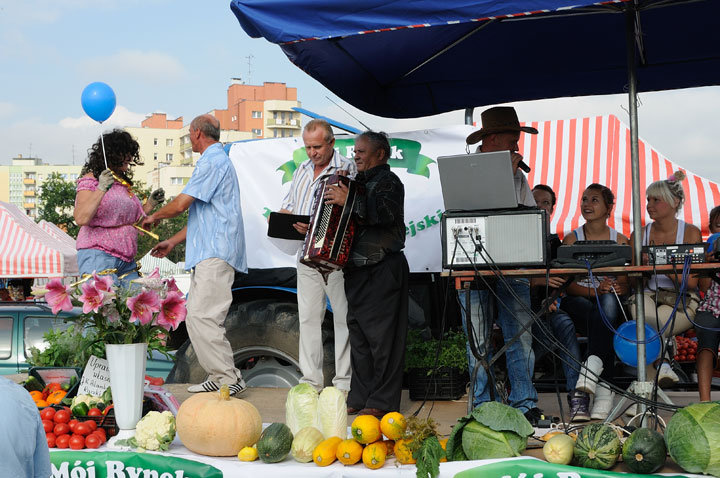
x: 707, y: 321
x: 665, y: 198
x: 587, y: 301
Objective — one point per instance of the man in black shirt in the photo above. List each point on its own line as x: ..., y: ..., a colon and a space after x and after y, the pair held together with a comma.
x: 376, y: 280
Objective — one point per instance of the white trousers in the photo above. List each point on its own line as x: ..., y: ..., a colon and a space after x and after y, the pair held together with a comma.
x: 312, y: 293
x: 208, y: 303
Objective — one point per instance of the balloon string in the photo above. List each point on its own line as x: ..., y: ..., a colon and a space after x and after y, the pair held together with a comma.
x: 102, y: 142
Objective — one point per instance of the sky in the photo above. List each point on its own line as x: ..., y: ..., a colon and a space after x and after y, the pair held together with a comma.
x: 178, y: 57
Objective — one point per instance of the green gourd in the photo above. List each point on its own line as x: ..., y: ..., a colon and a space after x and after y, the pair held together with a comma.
x: 644, y: 451
x: 275, y: 443
x: 597, y: 446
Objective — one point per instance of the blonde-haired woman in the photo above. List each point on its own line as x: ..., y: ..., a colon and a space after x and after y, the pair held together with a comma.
x: 665, y: 198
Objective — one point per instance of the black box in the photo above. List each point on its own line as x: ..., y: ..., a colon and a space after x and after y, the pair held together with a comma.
x: 446, y: 383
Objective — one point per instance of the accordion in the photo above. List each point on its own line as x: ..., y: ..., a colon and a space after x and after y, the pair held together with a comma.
x: 330, y: 234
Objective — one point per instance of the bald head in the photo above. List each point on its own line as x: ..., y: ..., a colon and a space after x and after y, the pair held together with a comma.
x: 208, y: 125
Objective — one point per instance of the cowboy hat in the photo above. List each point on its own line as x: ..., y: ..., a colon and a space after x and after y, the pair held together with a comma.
x: 499, y: 119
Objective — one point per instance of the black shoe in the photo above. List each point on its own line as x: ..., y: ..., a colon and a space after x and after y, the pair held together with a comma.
x: 534, y: 415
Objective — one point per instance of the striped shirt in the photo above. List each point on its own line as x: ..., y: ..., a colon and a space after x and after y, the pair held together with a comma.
x: 299, y: 199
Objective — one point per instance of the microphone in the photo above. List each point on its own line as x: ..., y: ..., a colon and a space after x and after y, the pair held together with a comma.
x: 524, y: 166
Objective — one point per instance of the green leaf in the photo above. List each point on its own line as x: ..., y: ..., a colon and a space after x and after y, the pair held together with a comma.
x: 454, y: 447
x: 428, y: 458
x: 500, y: 417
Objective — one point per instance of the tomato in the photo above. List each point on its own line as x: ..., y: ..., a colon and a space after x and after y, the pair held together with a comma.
x: 101, y: 431
x: 94, y: 412
x: 691, y: 357
x: 62, y: 416
x: 99, y: 435
x: 82, y: 428
x: 48, y: 426
x: 47, y: 413
x: 92, y: 424
x: 73, y: 423
x: 61, y: 429
x: 62, y: 441
x: 92, y: 441
x: 77, y: 442
x: 50, y: 437
x: 52, y: 387
x: 683, y: 357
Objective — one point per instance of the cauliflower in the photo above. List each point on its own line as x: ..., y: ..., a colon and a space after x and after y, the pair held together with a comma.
x: 155, y: 431
x: 90, y: 400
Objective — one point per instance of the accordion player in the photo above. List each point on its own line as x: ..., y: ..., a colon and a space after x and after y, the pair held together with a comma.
x: 330, y: 234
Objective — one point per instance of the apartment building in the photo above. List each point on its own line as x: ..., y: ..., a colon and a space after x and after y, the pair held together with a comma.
x: 21, y: 182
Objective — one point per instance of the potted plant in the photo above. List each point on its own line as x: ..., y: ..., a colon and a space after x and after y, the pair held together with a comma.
x: 436, y: 374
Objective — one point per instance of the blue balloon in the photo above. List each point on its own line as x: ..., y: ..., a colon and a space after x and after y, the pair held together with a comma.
x: 98, y: 101
x: 626, y: 350
x: 712, y: 240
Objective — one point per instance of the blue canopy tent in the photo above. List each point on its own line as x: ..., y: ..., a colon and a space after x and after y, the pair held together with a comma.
x: 412, y: 58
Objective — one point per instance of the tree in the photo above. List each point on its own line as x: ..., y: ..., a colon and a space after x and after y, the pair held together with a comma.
x: 57, y: 202
x: 165, y: 229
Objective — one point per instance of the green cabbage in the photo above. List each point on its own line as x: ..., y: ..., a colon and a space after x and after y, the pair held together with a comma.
x: 692, y: 438
x: 301, y: 407
x: 492, y: 430
x: 332, y: 412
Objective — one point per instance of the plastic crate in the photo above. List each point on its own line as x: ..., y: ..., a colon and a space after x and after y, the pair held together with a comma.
x: 445, y: 384
x: 103, y: 421
x: 46, y: 375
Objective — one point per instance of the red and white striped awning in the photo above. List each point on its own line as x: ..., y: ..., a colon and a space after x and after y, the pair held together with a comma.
x: 27, y: 250
x: 568, y: 155
x: 56, y: 232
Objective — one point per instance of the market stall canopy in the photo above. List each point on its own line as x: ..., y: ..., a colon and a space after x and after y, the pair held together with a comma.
x: 165, y: 266
x: 414, y: 58
x: 27, y: 250
x: 57, y: 233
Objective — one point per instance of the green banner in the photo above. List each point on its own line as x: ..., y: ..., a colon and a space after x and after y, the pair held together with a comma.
x: 539, y: 468
x: 111, y: 464
x: 404, y: 154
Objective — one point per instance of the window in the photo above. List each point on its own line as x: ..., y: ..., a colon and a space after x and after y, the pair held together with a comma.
x: 155, y: 141
x: 155, y: 156
x: 176, y: 180
x: 233, y: 119
x: 257, y: 114
x: 257, y: 132
x: 35, y: 327
x: 6, y: 330
x: 169, y: 143
x: 168, y: 157
x: 274, y: 133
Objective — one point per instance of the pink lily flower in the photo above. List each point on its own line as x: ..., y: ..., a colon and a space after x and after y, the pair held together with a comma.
x: 92, y: 298
x: 173, y: 311
x: 143, y: 306
x: 103, y: 283
x: 58, y: 296
x: 172, y: 285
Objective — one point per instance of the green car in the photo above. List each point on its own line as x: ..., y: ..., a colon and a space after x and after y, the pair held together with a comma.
x: 23, y: 325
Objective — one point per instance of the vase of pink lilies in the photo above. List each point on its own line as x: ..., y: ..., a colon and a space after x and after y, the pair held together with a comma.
x: 131, y: 321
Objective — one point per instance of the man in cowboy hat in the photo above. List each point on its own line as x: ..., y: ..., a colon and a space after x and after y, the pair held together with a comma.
x: 500, y: 132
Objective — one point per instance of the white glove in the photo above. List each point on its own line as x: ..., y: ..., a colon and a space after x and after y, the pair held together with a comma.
x: 106, y: 180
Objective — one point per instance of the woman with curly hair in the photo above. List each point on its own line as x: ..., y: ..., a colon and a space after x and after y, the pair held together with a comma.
x: 106, y: 208
x: 665, y: 198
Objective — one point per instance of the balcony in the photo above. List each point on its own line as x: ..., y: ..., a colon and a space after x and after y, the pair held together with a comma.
x: 283, y: 123
x: 29, y: 193
x: 28, y: 181
x: 29, y: 205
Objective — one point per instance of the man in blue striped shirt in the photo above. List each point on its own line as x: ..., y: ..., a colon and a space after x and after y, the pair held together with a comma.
x: 312, y: 288
x: 215, y: 249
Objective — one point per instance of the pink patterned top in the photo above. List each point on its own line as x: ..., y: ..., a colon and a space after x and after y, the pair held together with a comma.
x: 111, y: 230
x: 711, y: 302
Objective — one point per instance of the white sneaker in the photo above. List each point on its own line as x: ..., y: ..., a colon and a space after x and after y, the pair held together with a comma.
x: 206, y: 386
x: 667, y: 376
x: 591, y: 369
x: 602, y: 403
x: 632, y: 410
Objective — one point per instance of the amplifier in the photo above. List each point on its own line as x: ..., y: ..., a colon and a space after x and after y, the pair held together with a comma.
x: 510, y: 238
x: 592, y: 251
x: 674, y: 253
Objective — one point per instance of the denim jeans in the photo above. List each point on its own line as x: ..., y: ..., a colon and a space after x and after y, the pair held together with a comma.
x: 519, y: 356
x: 584, y: 311
x: 95, y: 260
x: 560, y: 326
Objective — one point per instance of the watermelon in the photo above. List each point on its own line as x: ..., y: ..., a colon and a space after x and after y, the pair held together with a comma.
x: 275, y: 443
x: 644, y: 451
x: 597, y: 446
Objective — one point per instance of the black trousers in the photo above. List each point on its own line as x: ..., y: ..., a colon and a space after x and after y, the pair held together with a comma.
x: 377, y: 321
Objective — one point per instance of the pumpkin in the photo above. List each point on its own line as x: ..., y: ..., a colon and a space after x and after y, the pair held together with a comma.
x: 374, y: 455
x: 597, y: 446
x: 366, y: 429
x: 56, y: 397
x: 275, y: 443
x: 390, y: 444
x: 644, y: 451
x: 304, y: 443
x: 349, y: 452
x: 326, y: 452
x: 443, y: 444
x: 215, y: 424
x: 393, y: 425
x: 559, y: 449
x: 403, y: 453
